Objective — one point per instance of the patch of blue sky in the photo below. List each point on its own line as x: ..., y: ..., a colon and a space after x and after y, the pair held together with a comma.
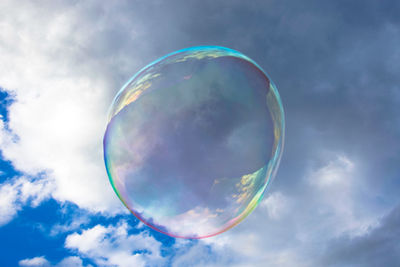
x: 6, y: 169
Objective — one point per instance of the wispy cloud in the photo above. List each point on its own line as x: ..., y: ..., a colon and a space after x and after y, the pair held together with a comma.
x: 36, y: 261
x: 43, y: 262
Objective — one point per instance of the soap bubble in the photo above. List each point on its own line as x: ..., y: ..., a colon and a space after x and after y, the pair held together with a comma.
x: 193, y: 140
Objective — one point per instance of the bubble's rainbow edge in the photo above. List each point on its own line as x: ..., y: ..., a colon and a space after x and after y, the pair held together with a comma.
x: 279, y: 122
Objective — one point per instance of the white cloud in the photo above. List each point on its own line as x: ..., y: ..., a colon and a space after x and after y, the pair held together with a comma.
x: 113, y: 246
x: 276, y: 205
x: 62, y: 93
x: 253, y: 245
x: 335, y: 185
x: 36, y: 261
x: 337, y: 173
x: 73, y: 225
x: 17, y: 192
x: 71, y: 261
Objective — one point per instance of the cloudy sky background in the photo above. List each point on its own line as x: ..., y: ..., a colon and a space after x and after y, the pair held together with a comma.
x: 335, y: 200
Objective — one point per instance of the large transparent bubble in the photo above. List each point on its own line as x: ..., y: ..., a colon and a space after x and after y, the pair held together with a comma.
x: 193, y: 140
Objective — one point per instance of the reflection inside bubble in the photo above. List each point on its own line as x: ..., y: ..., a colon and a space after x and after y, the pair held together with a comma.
x: 193, y: 140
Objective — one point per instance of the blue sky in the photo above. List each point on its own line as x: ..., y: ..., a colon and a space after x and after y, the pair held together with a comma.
x: 335, y: 200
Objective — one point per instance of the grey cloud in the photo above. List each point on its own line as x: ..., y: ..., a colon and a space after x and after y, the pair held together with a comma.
x: 379, y: 247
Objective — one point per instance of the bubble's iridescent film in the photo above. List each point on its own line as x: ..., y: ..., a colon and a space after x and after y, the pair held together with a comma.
x: 193, y: 140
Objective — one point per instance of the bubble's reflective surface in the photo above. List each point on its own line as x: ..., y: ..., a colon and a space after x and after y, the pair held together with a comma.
x: 193, y: 140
